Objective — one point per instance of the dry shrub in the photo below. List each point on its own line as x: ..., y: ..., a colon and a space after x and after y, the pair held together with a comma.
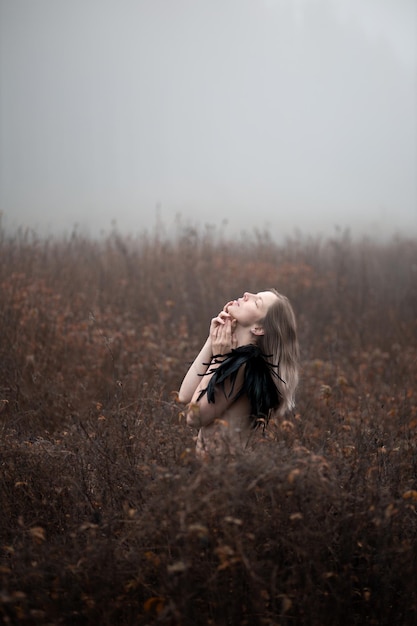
x: 108, y: 518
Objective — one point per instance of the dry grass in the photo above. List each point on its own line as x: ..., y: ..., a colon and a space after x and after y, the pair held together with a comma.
x: 106, y: 516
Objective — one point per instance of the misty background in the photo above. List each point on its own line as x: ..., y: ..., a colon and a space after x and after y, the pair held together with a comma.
x: 242, y: 114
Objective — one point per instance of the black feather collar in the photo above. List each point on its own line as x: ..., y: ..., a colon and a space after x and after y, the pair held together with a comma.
x: 258, y: 384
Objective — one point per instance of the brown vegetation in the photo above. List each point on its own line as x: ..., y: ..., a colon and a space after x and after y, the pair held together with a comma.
x: 106, y: 516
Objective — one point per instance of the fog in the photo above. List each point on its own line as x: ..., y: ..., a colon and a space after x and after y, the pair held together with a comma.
x: 270, y: 114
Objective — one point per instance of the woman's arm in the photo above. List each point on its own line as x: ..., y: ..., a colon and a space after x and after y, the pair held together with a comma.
x: 200, y: 364
x: 200, y: 412
x: 195, y: 373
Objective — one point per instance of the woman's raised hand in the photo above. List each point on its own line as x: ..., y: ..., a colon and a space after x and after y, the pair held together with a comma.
x: 221, y: 333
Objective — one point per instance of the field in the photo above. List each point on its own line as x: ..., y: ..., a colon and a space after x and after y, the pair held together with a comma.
x: 106, y: 516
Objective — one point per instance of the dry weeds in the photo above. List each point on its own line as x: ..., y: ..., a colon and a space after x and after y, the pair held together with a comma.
x: 106, y: 516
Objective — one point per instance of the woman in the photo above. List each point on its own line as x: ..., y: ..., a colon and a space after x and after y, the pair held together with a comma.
x: 246, y: 370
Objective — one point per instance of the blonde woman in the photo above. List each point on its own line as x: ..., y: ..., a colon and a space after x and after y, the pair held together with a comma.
x: 246, y: 370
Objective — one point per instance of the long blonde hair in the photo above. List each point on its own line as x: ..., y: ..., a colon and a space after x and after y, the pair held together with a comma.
x: 280, y: 344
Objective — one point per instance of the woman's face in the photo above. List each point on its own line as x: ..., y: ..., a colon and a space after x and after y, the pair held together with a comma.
x: 251, y: 308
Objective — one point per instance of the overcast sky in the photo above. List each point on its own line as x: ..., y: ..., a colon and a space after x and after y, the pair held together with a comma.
x: 278, y: 114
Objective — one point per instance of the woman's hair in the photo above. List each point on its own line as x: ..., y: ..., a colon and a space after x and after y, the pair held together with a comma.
x: 280, y: 344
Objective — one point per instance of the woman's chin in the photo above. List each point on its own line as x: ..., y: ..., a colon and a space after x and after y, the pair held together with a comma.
x: 232, y: 317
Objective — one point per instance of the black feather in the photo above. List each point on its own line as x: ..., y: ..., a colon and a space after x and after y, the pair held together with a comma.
x: 258, y: 383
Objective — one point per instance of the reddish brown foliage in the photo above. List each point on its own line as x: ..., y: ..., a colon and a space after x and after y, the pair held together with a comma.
x: 107, y: 518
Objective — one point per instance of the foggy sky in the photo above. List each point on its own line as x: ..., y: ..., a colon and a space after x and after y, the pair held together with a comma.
x: 266, y: 113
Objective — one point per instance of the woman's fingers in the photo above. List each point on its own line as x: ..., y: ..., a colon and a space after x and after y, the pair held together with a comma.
x: 225, y: 330
x: 223, y: 337
x: 223, y: 316
x: 220, y: 319
x: 221, y: 332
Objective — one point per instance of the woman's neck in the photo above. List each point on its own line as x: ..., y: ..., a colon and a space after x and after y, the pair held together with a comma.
x: 243, y: 336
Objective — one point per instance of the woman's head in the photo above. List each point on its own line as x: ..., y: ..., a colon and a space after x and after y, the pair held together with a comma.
x: 251, y: 309
x: 267, y: 319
